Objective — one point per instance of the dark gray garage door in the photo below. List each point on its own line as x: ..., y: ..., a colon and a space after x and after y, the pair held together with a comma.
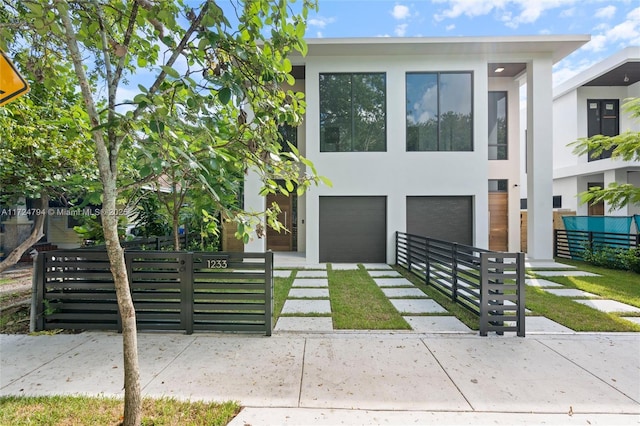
x: 353, y: 229
x: 444, y: 218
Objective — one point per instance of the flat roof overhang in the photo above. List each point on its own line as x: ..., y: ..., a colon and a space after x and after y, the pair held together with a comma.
x: 558, y: 46
x: 620, y: 69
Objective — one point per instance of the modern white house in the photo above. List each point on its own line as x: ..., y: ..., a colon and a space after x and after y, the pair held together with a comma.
x: 590, y: 104
x: 420, y: 135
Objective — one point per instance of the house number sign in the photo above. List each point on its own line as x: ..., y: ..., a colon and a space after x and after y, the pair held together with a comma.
x: 217, y: 262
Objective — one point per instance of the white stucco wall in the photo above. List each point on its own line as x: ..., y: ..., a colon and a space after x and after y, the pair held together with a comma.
x: 571, y: 108
x: 397, y: 173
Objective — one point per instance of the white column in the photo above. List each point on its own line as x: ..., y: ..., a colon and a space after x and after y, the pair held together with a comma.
x: 254, y: 202
x: 539, y: 159
x: 313, y: 227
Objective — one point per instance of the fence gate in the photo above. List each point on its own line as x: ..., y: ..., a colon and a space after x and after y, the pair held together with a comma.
x: 182, y: 291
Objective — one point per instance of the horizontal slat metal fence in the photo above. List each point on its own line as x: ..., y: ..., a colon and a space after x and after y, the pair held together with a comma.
x: 489, y: 284
x: 182, y: 291
x: 570, y: 244
x: 145, y: 243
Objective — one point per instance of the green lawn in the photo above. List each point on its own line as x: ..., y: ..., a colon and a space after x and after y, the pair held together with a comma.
x: 358, y: 304
x: 622, y: 286
x: 82, y: 410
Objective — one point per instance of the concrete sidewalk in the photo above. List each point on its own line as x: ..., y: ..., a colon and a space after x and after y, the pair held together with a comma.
x: 351, y: 377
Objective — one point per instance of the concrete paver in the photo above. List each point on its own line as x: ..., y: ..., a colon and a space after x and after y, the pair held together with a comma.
x: 539, y: 282
x: 608, y: 305
x: 436, y: 324
x: 417, y: 306
x: 311, y: 306
x: 635, y: 320
x: 543, y: 325
x: 311, y: 274
x: 396, y: 292
x: 566, y: 274
x: 373, y: 266
x: 282, y: 273
x: 304, y: 324
x: 570, y: 292
x: 390, y: 273
x: 393, y: 282
x: 344, y: 266
x: 308, y: 292
x: 310, y: 282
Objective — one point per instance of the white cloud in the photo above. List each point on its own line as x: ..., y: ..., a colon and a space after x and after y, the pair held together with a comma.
x: 597, y: 43
x: 566, y: 69
x: 400, y: 12
x: 525, y: 11
x: 451, y: 27
x: 319, y: 34
x: 320, y: 21
x: 469, y: 8
x: 606, y: 12
x: 568, y: 13
x: 626, y: 33
x: 401, y: 30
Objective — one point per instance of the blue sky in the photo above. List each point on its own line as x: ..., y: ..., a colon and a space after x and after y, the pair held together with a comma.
x: 613, y: 25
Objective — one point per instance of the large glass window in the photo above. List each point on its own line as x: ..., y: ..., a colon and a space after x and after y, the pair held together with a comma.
x: 353, y: 112
x: 439, y: 111
x: 498, y: 126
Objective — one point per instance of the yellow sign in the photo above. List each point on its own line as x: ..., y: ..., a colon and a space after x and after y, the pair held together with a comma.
x: 12, y: 85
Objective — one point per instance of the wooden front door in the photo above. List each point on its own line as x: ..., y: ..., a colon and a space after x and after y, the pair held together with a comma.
x: 596, y: 208
x: 498, y: 221
x: 283, y: 240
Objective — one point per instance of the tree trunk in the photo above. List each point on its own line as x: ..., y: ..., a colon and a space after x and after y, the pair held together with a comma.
x: 36, y: 234
x: 108, y: 176
x: 176, y: 230
x: 132, y: 391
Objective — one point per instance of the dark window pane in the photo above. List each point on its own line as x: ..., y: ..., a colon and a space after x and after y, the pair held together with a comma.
x: 497, y: 125
x: 439, y: 112
x: 455, y: 112
x: 352, y: 112
x: 498, y: 185
x: 422, y: 112
x: 369, y: 107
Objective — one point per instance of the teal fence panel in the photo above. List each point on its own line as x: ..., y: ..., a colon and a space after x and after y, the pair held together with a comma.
x: 595, y: 224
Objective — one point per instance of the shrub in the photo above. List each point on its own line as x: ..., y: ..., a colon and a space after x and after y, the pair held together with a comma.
x: 612, y: 258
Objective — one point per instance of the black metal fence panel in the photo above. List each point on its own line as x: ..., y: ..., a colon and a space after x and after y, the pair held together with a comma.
x: 489, y: 284
x: 570, y: 244
x: 182, y: 291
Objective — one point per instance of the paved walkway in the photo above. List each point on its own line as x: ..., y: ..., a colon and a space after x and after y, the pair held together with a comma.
x: 352, y: 378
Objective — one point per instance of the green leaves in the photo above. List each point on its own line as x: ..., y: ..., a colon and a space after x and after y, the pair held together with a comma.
x: 224, y: 95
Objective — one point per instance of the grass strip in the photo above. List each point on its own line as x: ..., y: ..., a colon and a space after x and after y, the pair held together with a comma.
x: 84, y: 410
x: 281, y: 287
x: 357, y: 303
x: 469, y: 318
x: 623, y: 286
x: 574, y: 315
